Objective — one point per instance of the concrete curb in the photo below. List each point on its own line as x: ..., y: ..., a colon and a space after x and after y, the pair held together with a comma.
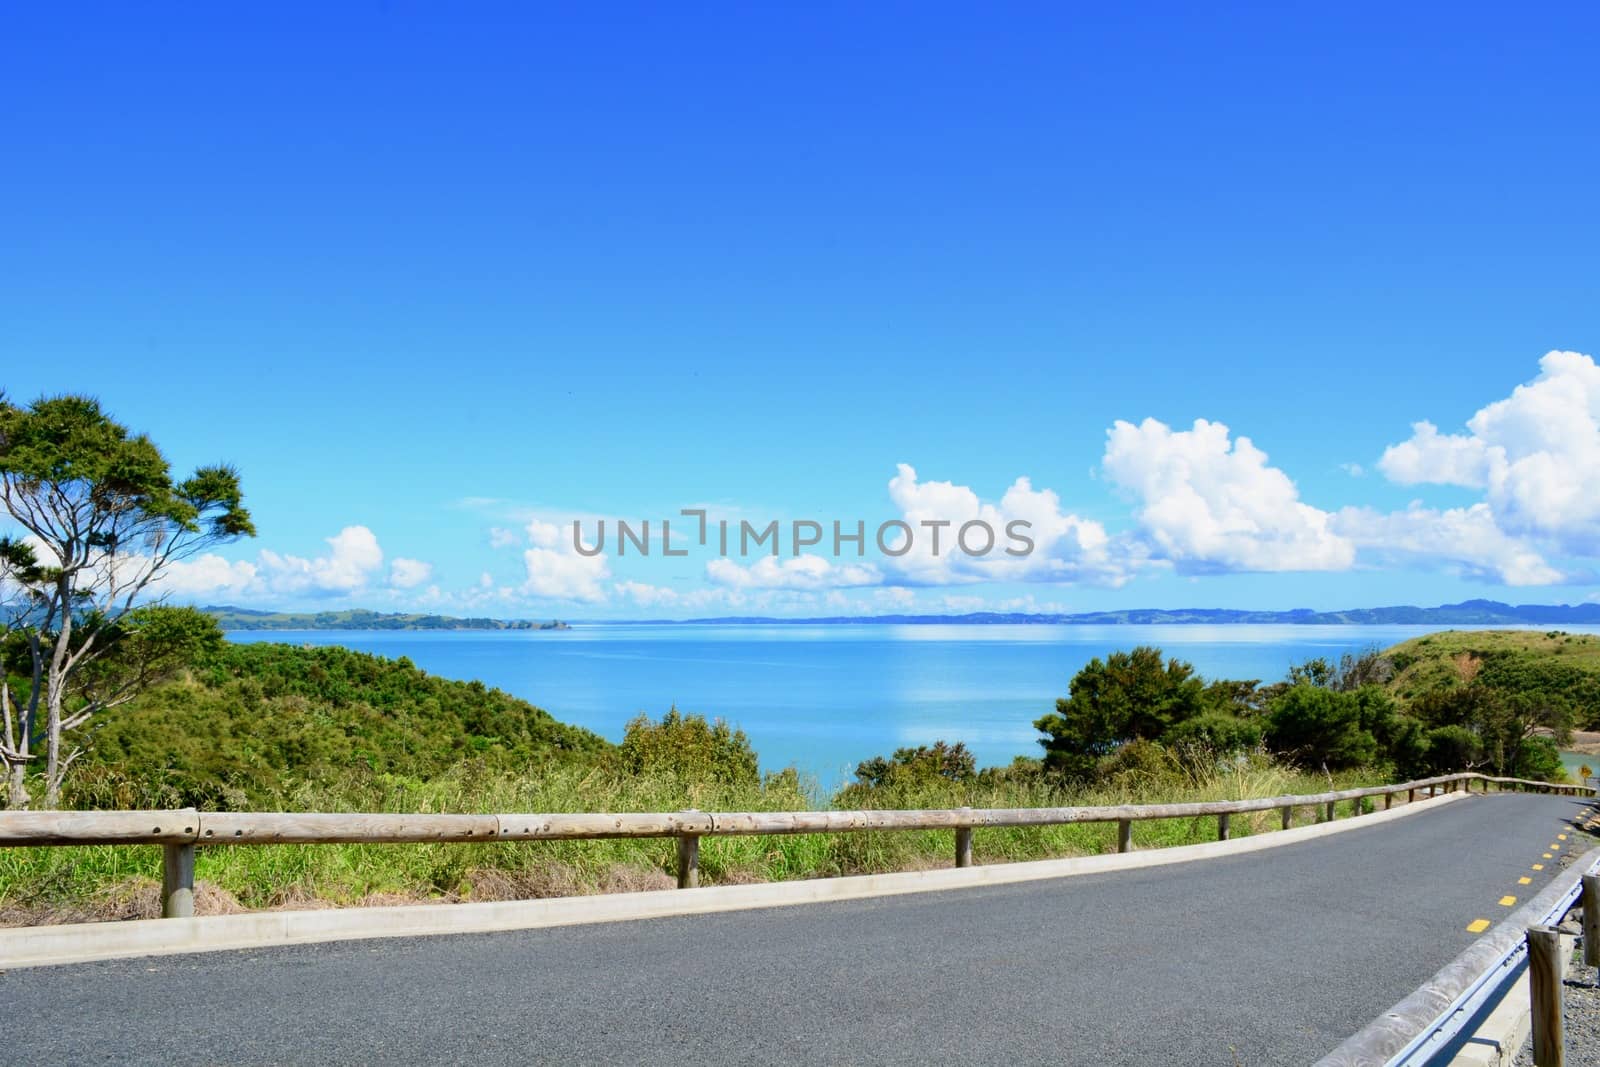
x: 39, y: 946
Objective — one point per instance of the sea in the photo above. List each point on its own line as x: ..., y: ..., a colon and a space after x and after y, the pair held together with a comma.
x: 823, y: 698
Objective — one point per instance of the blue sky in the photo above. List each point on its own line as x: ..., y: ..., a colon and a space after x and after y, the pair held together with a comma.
x: 439, y: 279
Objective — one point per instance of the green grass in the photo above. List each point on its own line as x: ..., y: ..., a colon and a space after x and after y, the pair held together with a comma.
x: 40, y: 884
x: 1548, y: 660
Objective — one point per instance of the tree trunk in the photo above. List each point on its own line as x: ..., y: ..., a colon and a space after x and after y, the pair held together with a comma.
x: 55, y: 699
x: 17, y: 798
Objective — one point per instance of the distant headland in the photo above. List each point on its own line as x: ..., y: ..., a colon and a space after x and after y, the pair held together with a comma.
x: 232, y: 618
x: 1466, y: 613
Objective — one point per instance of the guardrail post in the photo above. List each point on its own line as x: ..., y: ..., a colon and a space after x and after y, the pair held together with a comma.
x: 1411, y: 796
x: 1591, y: 920
x: 1124, y: 835
x: 1287, y: 814
x: 1544, y: 990
x: 964, y: 844
x: 1388, y: 801
x: 689, y: 861
x: 177, y: 881
x: 1331, y: 803
x: 1222, y: 827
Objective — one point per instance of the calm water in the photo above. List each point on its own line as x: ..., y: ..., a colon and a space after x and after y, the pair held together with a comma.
x: 826, y: 697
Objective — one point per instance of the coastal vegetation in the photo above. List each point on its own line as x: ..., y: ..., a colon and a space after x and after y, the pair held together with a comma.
x: 92, y: 520
x: 280, y: 727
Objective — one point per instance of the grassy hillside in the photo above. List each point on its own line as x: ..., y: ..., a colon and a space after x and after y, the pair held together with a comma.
x: 1551, y: 662
x: 251, y: 723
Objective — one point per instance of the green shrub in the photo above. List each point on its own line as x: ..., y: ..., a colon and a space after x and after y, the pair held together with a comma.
x: 689, y: 749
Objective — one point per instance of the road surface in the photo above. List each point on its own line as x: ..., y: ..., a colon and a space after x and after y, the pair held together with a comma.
x: 1271, y: 957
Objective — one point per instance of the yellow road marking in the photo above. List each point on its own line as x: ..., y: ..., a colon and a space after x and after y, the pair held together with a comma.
x: 1477, y: 926
x: 1554, y: 847
x: 1538, y: 866
x: 1561, y: 837
x: 1545, y: 856
x: 1507, y: 901
x: 1524, y: 880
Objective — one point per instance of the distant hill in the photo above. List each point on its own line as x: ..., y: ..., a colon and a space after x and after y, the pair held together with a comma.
x: 1521, y: 661
x: 1466, y: 613
x: 231, y: 618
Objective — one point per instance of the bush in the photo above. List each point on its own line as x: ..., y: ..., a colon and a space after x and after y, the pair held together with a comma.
x: 1139, y: 765
x: 1452, y: 748
x: 925, y: 763
x: 1313, y: 726
x: 689, y: 749
x: 1222, y: 734
x: 1540, y: 760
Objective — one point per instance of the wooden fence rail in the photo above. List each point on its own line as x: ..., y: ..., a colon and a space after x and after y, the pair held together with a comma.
x: 180, y: 831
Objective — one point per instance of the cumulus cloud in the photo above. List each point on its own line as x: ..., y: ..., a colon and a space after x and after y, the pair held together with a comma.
x: 1535, y: 454
x: 352, y: 560
x: 1467, y: 540
x: 1207, y: 503
x: 207, y: 575
x: 352, y: 565
x: 800, y: 572
x: 409, y: 573
x: 1066, y: 547
x: 555, y: 569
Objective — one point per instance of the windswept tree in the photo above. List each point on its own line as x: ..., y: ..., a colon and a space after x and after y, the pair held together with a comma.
x: 96, y: 520
x: 1128, y: 696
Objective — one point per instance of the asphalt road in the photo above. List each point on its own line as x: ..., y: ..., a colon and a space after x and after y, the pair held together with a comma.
x: 1266, y: 958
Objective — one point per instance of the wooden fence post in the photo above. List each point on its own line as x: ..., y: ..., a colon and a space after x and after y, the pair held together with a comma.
x: 1331, y: 803
x: 1544, y: 990
x: 1288, y: 816
x: 964, y: 844
x: 1411, y: 796
x: 1388, y: 801
x: 689, y: 861
x: 1591, y: 920
x: 1222, y: 827
x: 1124, y: 835
x: 177, y: 881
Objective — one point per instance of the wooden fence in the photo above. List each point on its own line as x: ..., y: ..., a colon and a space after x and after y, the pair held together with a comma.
x: 181, y: 831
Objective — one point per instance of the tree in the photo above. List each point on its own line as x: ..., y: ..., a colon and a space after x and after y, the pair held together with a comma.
x: 102, y: 520
x: 1508, y: 725
x: 1128, y: 696
x: 1314, y: 726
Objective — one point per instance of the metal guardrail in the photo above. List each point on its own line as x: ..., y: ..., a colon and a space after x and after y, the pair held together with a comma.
x: 1424, y: 1027
x: 180, y: 831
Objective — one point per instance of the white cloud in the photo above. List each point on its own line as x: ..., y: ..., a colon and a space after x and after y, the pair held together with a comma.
x: 1535, y: 454
x: 353, y: 559
x: 1066, y: 547
x: 799, y: 572
x: 409, y: 573
x: 207, y: 575
x: 1465, y: 539
x: 556, y: 570
x: 1429, y: 456
x: 500, y: 537
x: 1208, y: 504
x: 895, y: 596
